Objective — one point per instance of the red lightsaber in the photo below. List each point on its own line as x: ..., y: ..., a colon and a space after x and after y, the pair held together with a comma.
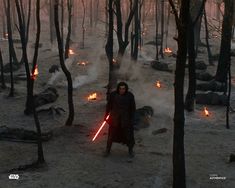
x: 101, y: 127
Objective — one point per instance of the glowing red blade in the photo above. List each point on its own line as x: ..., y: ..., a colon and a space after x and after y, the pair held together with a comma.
x: 101, y: 127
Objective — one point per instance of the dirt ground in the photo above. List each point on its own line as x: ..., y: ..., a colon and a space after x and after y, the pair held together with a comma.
x: 73, y: 160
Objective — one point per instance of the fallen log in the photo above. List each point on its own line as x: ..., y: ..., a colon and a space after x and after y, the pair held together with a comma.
x: 22, y: 135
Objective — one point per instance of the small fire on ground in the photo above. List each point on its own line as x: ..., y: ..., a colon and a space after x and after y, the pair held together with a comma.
x: 35, y: 73
x: 92, y: 97
x: 71, y: 52
x: 6, y: 36
x: 206, y: 111
x: 168, y: 51
x: 158, y: 84
x: 83, y: 63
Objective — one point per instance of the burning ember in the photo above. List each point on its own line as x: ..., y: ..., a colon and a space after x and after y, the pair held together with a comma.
x: 114, y: 61
x: 158, y: 85
x: 71, y: 52
x: 167, y: 51
x: 6, y: 36
x: 34, y: 73
x: 83, y: 63
x: 206, y: 111
x: 92, y: 97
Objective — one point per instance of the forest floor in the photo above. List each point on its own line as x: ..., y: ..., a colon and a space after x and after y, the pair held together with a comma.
x: 73, y: 160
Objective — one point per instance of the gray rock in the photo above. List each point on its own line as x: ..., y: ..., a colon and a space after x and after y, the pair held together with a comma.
x: 142, y: 117
x: 211, y: 98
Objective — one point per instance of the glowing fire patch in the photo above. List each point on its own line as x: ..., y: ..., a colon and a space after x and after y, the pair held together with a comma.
x: 158, y: 84
x: 92, y: 97
x: 114, y: 61
x: 206, y: 111
x: 83, y: 63
x: 71, y: 52
x: 167, y: 50
x: 6, y: 35
x: 34, y: 73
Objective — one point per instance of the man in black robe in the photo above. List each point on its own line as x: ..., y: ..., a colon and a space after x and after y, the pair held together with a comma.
x: 121, y: 108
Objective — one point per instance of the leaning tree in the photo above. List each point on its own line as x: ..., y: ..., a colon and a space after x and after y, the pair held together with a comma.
x: 70, y: 118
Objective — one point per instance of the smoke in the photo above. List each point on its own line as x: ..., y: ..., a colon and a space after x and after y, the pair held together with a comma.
x: 58, y: 76
x: 141, y: 79
x: 92, y: 74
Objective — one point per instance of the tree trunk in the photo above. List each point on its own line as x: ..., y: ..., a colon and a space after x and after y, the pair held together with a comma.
x: 10, y: 35
x: 10, y: 43
x: 2, y: 72
x: 136, y: 35
x: 22, y: 30
x: 123, y: 43
x: 37, y: 123
x: 109, y: 50
x: 207, y: 40
x: 91, y: 11
x: 67, y: 44
x: 52, y: 25
x: 62, y: 25
x: 179, y: 119
x: 83, y: 24
x: 193, y: 21
x: 191, y: 94
x: 69, y: 121
x: 156, y: 40
x: 162, y: 28
x: 229, y: 95
x: 225, y: 47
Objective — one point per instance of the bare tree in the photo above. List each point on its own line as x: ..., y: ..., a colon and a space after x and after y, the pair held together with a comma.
x: 70, y: 118
x: 23, y: 34
x: 137, y: 33
x: 52, y: 25
x: 10, y: 32
x: 191, y: 94
x: 179, y: 119
x: 109, y: 49
x: 225, y: 47
x: 207, y: 39
x: 69, y: 6
x: 123, y: 42
x: 83, y: 24
x: 162, y: 28
x: 35, y: 57
x: 2, y: 71
x: 10, y: 44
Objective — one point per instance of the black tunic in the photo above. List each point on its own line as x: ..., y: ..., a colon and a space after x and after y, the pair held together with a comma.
x: 121, y: 109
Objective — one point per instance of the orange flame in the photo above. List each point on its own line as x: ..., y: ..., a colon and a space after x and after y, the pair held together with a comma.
x: 206, y: 111
x: 92, y: 97
x: 83, y: 63
x: 34, y: 73
x: 158, y: 84
x: 114, y: 60
x: 71, y: 52
x: 167, y: 50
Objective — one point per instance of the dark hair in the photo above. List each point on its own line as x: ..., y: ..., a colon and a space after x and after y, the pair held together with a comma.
x: 122, y: 84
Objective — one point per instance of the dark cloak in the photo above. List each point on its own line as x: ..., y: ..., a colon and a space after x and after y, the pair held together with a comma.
x: 121, y: 109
